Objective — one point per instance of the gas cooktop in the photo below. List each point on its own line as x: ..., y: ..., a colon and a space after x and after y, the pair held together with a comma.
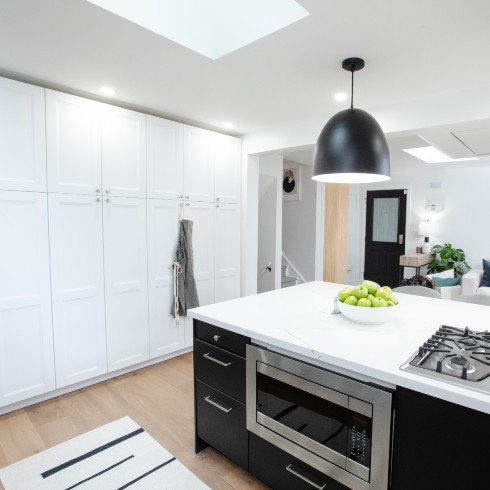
x: 456, y: 355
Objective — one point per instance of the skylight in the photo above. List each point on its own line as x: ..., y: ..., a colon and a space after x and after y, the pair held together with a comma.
x: 212, y: 28
x: 430, y: 154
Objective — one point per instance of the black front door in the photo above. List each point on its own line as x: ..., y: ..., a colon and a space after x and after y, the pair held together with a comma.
x: 385, y: 235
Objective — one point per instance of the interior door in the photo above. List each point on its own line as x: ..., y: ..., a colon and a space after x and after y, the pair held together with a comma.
x: 385, y: 235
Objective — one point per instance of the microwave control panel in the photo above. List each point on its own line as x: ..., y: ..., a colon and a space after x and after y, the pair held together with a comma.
x: 359, y: 439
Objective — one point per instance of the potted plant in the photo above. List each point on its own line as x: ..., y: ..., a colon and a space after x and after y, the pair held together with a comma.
x: 445, y: 257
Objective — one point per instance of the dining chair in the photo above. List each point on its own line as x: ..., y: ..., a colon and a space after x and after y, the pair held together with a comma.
x: 417, y: 290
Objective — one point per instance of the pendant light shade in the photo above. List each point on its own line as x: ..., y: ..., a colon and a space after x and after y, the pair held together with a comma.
x: 352, y: 147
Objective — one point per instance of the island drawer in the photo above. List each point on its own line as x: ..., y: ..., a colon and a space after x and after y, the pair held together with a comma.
x: 221, y: 422
x: 225, y: 339
x: 220, y: 369
x: 279, y: 469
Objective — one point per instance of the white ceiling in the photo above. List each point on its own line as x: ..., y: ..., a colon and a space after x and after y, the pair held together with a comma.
x: 413, y: 50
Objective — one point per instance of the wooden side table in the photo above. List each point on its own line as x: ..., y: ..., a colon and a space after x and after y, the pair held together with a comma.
x: 413, y: 260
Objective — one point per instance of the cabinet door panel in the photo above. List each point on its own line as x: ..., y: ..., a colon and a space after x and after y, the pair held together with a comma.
x: 166, y: 335
x: 73, y: 128
x: 198, y: 166
x: 201, y: 214
x: 23, y: 141
x: 123, y: 152
x: 226, y: 252
x: 165, y: 163
x: 77, y: 272
x: 226, y: 156
x: 26, y: 340
x: 126, y: 288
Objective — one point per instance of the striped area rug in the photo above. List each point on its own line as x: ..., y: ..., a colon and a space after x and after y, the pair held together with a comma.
x: 115, y: 456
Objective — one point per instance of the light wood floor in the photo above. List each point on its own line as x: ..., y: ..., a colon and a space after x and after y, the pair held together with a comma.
x: 159, y: 398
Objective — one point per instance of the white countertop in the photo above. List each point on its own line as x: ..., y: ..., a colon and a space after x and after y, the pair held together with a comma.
x: 299, y: 320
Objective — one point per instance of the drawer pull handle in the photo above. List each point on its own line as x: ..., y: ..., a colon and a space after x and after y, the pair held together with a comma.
x: 216, y: 337
x: 217, y: 405
x: 217, y: 361
x: 304, y: 478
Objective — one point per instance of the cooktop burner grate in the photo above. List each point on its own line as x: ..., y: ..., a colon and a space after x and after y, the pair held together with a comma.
x: 454, y: 352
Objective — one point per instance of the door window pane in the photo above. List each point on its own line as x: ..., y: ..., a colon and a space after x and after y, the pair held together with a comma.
x: 385, y: 219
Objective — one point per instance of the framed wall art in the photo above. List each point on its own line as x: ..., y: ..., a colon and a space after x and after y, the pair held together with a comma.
x: 291, y: 181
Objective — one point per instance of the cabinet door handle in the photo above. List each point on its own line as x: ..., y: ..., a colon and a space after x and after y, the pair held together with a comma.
x: 217, y: 361
x: 217, y: 405
x: 295, y: 472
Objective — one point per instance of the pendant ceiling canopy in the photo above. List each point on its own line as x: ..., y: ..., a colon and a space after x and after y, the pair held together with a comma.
x: 352, y: 147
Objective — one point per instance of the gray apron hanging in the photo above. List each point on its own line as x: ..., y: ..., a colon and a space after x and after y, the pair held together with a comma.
x: 185, y: 291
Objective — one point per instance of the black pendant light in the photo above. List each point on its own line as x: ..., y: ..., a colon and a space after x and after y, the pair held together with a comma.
x: 351, y: 147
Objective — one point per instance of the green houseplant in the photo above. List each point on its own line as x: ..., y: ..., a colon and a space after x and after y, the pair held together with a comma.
x: 445, y: 257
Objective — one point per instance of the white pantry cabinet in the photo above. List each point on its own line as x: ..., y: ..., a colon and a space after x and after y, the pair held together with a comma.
x: 226, y: 158
x: 23, y: 137
x: 166, y: 335
x: 202, y: 216
x: 26, y: 340
x: 126, y: 281
x: 165, y: 158
x: 77, y: 275
x: 198, y: 164
x: 73, y: 131
x: 94, y: 148
x: 123, y: 152
x: 226, y: 251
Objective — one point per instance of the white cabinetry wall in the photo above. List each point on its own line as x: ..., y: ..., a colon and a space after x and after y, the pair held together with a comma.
x: 87, y: 285
x: 26, y: 338
x: 23, y: 140
x: 77, y: 276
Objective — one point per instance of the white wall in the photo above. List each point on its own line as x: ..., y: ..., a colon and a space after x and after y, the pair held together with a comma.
x: 464, y: 198
x: 266, y: 233
x: 299, y: 226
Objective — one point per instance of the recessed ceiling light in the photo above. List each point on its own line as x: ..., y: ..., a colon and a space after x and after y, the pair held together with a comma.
x: 430, y: 154
x: 212, y: 28
x: 340, y: 97
x: 228, y: 125
x: 107, y: 90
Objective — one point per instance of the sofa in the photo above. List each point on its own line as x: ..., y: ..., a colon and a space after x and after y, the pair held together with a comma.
x: 471, y: 283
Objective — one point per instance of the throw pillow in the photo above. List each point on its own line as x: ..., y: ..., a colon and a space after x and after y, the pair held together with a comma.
x: 486, y: 273
x: 444, y: 282
x: 444, y: 274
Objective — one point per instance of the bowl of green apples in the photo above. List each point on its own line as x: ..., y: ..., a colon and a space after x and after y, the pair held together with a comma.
x: 367, y: 303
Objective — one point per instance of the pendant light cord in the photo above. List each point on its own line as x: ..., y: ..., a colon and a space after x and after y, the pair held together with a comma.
x: 352, y: 91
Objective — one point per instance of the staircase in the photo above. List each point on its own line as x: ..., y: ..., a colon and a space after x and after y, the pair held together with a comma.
x: 286, y: 279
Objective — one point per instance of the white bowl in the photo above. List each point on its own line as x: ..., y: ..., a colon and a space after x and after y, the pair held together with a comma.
x: 366, y: 315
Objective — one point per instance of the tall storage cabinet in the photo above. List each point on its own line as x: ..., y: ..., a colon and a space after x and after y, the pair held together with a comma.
x: 91, y: 197
x: 26, y: 339
x: 126, y: 283
x: 23, y: 141
x: 77, y: 272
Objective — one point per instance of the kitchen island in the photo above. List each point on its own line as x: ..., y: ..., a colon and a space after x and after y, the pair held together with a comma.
x: 298, y: 322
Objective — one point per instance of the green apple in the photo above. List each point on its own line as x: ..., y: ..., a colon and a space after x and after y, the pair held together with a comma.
x: 351, y: 300
x: 360, y: 291
x: 390, y: 303
x: 370, y: 297
x: 364, y: 302
x: 382, y: 293
x: 387, y: 288
x: 393, y: 299
x: 371, y: 285
x: 379, y: 302
x: 344, y: 292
